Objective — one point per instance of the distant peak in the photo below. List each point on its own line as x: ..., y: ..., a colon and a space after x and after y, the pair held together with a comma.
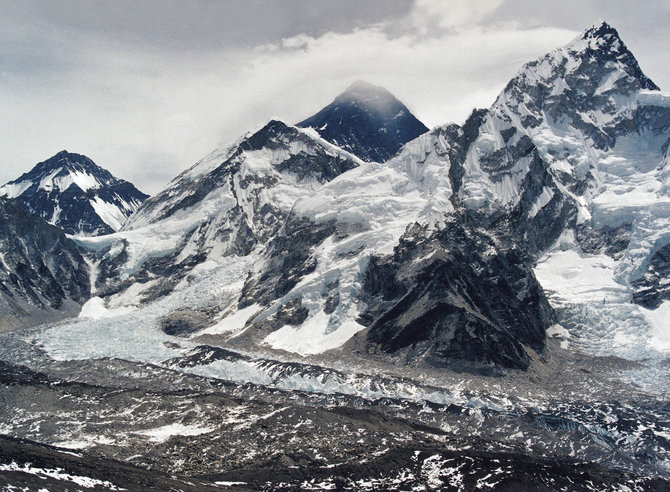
x: 362, y: 85
x: 68, y: 159
x: 260, y: 138
x: 366, y: 120
x: 365, y: 92
x: 601, y: 30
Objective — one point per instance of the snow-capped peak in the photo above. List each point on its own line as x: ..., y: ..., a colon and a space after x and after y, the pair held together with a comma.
x: 60, y: 172
x: 71, y: 191
x: 272, y: 153
x: 603, y: 40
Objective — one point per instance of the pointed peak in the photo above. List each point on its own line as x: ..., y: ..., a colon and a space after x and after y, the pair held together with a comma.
x: 598, y: 36
x: 366, y: 120
x: 366, y: 93
x: 271, y: 131
x: 69, y: 161
x: 602, y: 39
x: 363, y: 86
x: 599, y: 29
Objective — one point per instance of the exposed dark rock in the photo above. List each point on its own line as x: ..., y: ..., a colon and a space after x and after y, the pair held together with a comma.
x: 61, y: 201
x: 290, y: 313
x: 185, y: 321
x: 654, y: 286
x: 612, y: 241
x: 367, y: 121
x: 289, y: 259
x: 41, y: 266
x: 453, y: 296
x: 331, y: 303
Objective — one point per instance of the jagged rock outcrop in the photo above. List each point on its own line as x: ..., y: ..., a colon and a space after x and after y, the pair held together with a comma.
x: 42, y: 271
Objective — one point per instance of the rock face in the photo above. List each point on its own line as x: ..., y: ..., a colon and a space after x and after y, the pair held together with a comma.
x: 226, y: 207
x: 367, y: 121
x: 42, y: 270
x: 72, y: 192
x: 571, y: 154
x: 454, y: 295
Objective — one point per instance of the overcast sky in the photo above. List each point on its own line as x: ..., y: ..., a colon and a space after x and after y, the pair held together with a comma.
x: 147, y: 87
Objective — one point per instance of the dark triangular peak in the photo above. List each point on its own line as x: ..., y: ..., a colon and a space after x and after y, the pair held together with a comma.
x: 65, y: 161
x: 72, y: 192
x: 268, y: 135
x: 603, y: 40
x: 368, y: 121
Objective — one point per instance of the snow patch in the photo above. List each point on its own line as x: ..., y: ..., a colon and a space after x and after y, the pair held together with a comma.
x: 571, y: 277
x: 95, y: 308
x: 58, y: 474
x: 313, y: 336
x: 659, y: 319
x: 232, y: 323
x: 162, y: 434
x: 111, y: 214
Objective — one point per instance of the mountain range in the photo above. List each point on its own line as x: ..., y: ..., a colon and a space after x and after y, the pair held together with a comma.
x: 537, y: 231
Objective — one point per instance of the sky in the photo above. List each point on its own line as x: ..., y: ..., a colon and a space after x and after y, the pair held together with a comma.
x: 146, y: 88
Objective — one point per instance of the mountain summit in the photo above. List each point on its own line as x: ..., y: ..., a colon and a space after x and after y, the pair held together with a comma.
x: 603, y: 39
x: 367, y: 121
x: 72, y: 192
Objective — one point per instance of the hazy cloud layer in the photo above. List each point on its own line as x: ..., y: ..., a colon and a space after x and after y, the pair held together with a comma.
x: 146, y: 88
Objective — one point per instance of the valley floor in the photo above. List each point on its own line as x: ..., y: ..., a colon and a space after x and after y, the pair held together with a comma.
x: 212, y: 418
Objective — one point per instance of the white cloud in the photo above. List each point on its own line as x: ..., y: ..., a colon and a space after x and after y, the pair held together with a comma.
x: 451, y: 14
x: 147, y: 113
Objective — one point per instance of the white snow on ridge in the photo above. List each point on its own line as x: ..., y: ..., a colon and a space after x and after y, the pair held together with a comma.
x: 162, y: 434
x: 85, y: 181
x: 111, y: 214
x: 375, y: 203
x: 47, y: 182
x: 12, y: 190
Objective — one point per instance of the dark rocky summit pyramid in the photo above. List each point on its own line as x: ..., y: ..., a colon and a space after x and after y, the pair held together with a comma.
x: 368, y: 121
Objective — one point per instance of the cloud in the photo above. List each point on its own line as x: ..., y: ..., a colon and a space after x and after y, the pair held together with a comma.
x: 148, y: 109
x: 450, y: 14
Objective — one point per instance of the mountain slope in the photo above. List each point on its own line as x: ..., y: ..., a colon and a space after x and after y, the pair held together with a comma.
x: 42, y: 270
x: 576, y: 146
x: 227, y: 206
x: 573, y: 153
x: 72, y: 192
x: 367, y: 121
